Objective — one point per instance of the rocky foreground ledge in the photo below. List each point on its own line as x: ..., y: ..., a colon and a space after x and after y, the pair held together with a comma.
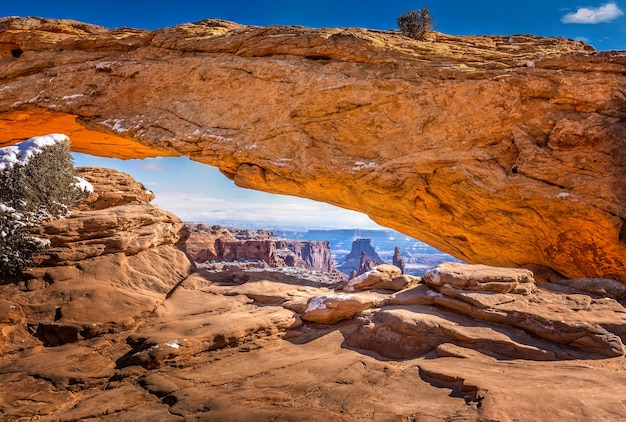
x: 507, y: 151
x: 115, y: 323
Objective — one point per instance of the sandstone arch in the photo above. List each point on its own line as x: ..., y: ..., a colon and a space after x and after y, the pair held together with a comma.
x: 498, y: 150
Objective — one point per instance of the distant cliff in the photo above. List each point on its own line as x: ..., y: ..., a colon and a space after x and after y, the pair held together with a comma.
x: 354, y: 258
x: 219, y: 243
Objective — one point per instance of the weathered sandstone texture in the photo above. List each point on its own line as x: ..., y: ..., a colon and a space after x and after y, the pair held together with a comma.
x: 265, y: 345
x: 107, y: 267
x: 507, y: 151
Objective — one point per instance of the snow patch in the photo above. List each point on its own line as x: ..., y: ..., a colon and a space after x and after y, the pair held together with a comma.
x: 115, y: 125
x: 173, y: 344
x: 528, y: 64
x: 83, y: 185
x: 6, y: 208
x: 218, y: 137
x: 360, y: 165
x: 358, y: 279
x: 71, y: 97
x: 563, y: 195
x: 433, y: 275
x: 41, y: 243
x: 21, y: 153
x: 317, y: 303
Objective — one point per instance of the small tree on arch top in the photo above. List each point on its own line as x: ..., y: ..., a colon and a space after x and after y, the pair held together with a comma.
x: 415, y: 23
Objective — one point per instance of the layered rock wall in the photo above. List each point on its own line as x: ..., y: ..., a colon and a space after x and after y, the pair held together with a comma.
x: 237, y: 250
x: 500, y: 150
x: 219, y: 243
x: 313, y: 254
x: 107, y: 268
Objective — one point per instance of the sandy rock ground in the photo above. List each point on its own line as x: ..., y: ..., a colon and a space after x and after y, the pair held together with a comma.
x: 232, y: 346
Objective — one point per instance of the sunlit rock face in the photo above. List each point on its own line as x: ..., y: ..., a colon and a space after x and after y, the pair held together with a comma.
x: 498, y: 150
x: 109, y: 265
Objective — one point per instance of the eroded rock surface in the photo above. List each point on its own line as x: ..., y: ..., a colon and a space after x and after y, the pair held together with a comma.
x: 506, y: 151
x: 225, y: 346
x: 106, y: 270
x: 126, y: 331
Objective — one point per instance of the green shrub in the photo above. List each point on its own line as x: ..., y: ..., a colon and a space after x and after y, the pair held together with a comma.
x: 415, y: 23
x: 37, y: 183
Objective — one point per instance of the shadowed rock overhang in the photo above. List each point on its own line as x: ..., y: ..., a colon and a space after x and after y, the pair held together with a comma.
x: 498, y: 150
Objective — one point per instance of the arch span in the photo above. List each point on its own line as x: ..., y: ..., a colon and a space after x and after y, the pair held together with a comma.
x: 499, y: 150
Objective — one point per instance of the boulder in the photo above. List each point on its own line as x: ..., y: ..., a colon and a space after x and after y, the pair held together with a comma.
x: 399, y: 283
x: 381, y: 275
x: 332, y: 308
x: 480, y: 278
x: 112, y: 188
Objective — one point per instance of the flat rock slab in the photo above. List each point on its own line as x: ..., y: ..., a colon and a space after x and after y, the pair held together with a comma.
x: 319, y: 380
x: 192, y: 322
x: 68, y: 367
x: 515, y: 391
x: 271, y: 292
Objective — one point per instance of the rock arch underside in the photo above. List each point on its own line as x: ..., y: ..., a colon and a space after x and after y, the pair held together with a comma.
x: 507, y: 151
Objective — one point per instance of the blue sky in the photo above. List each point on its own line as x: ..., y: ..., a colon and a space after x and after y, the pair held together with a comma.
x: 197, y: 192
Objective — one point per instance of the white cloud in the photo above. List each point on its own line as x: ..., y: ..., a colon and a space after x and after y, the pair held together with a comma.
x: 285, y: 212
x: 197, y: 192
x: 151, y: 166
x: 592, y: 15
